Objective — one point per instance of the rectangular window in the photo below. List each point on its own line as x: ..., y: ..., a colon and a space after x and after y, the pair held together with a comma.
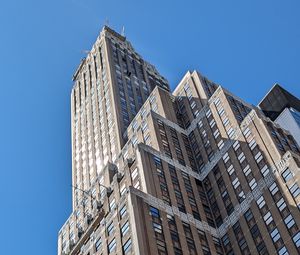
x: 125, y: 228
x: 294, y: 189
x: 260, y: 202
x: 123, y: 189
x: 154, y: 212
x: 110, y: 228
x: 265, y: 170
x: 268, y: 218
x: 273, y: 189
x: 123, y: 211
x: 252, y: 184
x: 225, y: 157
x: 230, y: 170
x: 247, y: 170
x: 283, y: 251
x: 98, y: 244
x: 252, y: 144
x: 248, y: 215
x: 221, y: 144
x: 296, y: 239
x: 134, y: 174
x: 112, y: 246
x: 289, y: 221
x: 247, y: 132
x: 281, y: 204
x: 112, y: 204
x: 127, y: 246
x: 275, y: 235
x: 258, y: 157
x: 287, y: 175
x: 157, y: 227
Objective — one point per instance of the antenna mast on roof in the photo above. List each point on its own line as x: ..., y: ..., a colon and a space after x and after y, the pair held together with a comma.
x: 123, y: 31
x: 106, y: 23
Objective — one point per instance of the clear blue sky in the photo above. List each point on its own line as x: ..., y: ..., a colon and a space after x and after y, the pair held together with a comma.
x: 246, y: 46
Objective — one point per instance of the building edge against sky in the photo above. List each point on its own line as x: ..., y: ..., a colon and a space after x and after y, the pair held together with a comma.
x: 196, y: 171
x: 283, y: 108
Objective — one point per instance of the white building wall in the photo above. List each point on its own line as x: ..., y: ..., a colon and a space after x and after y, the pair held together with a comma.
x: 287, y: 121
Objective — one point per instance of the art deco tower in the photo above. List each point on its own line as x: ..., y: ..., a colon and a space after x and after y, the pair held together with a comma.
x: 196, y: 171
x: 110, y: 86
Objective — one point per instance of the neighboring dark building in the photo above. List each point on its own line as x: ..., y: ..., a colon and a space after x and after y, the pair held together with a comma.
x: 277, y: 100
x: 284, y: 109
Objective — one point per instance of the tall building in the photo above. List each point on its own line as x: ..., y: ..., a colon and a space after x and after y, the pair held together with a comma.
x: 284, y: 109
x: 110, y: 86
x: 196, y: 171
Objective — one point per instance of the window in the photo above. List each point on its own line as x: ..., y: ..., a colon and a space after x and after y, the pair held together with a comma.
x: 112, y: 204
x: 289, y: 221
x: 134, y: 173
x: 281, y: 204
x: 98, y: 244
x: 265, y: 170
x: 241, y: 157
x: 221, y: 111
x: 275, y: 235
x: 287, y: 175
x: 230, y: 170
x: 268, y: 218
x: 157, y: 227
x: 125, y: 228
x: 258, y: 157
x: 252, y: 184
x: 216, y: 133
x: 296, y: 239
x: 235, y: 183
x: 137, y: 185
x: 154, y: 212
x: 252, y: 144
x: 110, y: 228
x: 225, y: 157
x: 261, y: 248
x: 261, y: 202
x: 127, y: 246
x: 225, y: 121
x: 217, y: 102
x: 255, y: 231
x: 294, y: 189
x: 221, y: 144
x: 123, y: 211
x: 208, y: 113
x: 236, y: 145
x: 134, y: 125
x: 230, y: 133
x: 248, y: 215
x: 123, y: 189
x: 273, y: 188
x: 247, y: 132
x: 225, y: 240
x: 247, y: 170
x: 283, y: 251
x: 112, y: 245
x: 243, y: 244
x: 134, y: 140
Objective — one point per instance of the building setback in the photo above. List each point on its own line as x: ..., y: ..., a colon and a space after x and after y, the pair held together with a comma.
x: 196, y: 171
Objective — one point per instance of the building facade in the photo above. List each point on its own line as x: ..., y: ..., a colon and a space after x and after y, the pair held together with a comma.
x: 196, y: 171
x: 284, y: 109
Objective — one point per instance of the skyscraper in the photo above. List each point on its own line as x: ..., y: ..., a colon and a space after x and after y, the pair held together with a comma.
x: 196, y: 171
x: 110, y: 86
